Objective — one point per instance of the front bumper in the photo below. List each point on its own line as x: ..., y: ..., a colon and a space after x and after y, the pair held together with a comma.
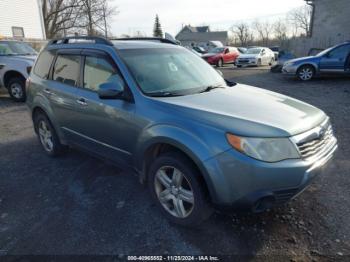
x: 242, y: 182
x: 289, y: 69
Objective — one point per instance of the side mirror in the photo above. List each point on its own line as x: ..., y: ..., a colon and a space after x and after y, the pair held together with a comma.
x: 111, y: 90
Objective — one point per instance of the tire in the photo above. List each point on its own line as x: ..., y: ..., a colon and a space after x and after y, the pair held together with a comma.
x: 49, y: 140
x: 189, y: 208
x: 272, y: 61
x: 16, y: 89
x: 306, y: 73
x: 220, y: 63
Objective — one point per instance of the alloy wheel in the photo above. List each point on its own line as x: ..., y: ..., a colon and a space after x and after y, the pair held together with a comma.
x: 45, y: 135
x: 16, y: 90
x: 174, y: 191
x: 306, y: 73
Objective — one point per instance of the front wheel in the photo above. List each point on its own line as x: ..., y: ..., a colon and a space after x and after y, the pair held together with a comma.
x: 306, y: 73
x: 220, y: 63
x: 175, y: 185
x: 16, y: 89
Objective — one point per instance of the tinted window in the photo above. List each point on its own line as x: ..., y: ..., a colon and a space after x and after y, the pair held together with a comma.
x: 340, y: 52
x: 98, y: 71
x: 43, y: 64
x: 66, y: 69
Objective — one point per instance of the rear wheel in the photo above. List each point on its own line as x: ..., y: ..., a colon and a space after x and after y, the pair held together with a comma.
x: 16, y: 89
x: 47, y: 135
x: 272, y: 61
x: 306, y: 73
x: 175, y: 185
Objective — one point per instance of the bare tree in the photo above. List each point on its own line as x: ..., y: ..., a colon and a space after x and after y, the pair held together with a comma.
x: 280, y: 30
x: 264, y: 31
x: 59, y: 16
x: 300, y: 19
x: 242, y: 32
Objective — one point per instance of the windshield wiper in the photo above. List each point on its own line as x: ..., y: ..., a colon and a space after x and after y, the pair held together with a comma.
x: 163, y: 94
x: 211, y: 87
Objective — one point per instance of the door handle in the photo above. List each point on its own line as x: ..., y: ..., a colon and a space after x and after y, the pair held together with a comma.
x: 82, y: 101
x: 47, y: 91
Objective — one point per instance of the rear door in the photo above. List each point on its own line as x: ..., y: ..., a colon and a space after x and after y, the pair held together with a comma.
x: 62, y: 89
x: 106, y: 126
x: 334, y: 61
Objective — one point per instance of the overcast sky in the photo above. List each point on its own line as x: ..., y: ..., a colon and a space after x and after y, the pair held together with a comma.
x: 138, y: 15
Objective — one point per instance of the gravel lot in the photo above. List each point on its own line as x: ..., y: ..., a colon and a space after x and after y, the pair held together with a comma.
x: 77, y: 204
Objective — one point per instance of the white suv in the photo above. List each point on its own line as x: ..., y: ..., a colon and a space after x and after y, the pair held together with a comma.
x: 16, y: 61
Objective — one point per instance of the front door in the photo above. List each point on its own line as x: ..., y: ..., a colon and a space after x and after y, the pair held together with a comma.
x: 334, y: 61
x: 106, y: 126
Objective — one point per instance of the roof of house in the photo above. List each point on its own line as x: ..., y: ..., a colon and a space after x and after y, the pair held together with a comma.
x: 203, y: 37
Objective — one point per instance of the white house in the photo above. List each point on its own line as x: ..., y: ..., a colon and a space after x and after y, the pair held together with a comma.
x: 21, y: 19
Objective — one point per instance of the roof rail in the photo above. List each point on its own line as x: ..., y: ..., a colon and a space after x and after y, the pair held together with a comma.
x: 70, y: 40
x: 159, y: 39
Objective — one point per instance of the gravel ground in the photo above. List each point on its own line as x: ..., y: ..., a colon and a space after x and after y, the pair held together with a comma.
x: 77, y: 204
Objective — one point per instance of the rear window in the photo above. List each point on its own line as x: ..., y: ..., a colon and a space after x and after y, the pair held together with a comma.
x: 67, y: 69
x: 43, y: 64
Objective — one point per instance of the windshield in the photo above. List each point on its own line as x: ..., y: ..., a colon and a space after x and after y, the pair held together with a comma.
x: 254, y: 51
x: 16, y: 48
x: 217, y: 50
x: 170, y: 71
x: 325, y: 51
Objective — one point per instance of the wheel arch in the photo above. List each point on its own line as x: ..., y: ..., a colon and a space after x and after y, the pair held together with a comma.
x: 183, y: 143
x: 313, y: 65
x: 158, y: 148
x: 11, y: 74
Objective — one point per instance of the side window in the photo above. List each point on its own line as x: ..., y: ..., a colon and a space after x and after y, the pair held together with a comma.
x: 66, y: 69
x: 97, y: 71
x: 340, y: 52
x: 42, y: 66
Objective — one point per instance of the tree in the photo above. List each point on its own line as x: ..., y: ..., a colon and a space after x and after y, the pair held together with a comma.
x: 300, y: 18
x: 242, y: 33
x: 59, y: 16
x: 264, y: 30
x: 280, y: 30
x: 157, y: 30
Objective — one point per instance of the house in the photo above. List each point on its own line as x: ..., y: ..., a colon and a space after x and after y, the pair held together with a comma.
x: 21, y: 19
x: 200, y: 35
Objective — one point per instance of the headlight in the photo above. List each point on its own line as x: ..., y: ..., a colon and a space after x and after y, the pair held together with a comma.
x: 289, y: 63
x: 264, y: 149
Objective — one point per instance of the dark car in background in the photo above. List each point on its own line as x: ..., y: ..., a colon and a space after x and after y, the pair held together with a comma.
x: 222, y: 55
x: 335, y: 59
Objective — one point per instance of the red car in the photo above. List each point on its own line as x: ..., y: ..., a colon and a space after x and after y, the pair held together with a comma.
x: 221, y: 55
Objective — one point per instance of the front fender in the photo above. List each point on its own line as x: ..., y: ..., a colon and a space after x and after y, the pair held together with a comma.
x: 182, y: 139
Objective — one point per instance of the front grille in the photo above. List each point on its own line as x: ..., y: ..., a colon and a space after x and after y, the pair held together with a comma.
x: 310, y: 148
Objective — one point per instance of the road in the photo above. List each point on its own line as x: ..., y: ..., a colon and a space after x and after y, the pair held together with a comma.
x: 77, y: 204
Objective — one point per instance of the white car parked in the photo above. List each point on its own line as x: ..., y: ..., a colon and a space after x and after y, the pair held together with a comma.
x: 256, y: 56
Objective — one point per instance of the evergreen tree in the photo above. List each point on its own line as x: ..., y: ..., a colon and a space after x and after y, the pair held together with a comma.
x: 157, y: 30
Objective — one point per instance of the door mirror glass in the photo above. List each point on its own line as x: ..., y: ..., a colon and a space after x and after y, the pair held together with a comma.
x: 227, y: 51
x: 111, y: 90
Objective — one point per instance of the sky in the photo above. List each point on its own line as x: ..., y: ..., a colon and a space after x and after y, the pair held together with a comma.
x: 139, y: 15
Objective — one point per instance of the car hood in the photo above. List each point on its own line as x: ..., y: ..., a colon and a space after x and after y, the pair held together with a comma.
x: 29, y: 59
x: 249, y: 56
x: 302, y: 59
x: 247, y: 111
